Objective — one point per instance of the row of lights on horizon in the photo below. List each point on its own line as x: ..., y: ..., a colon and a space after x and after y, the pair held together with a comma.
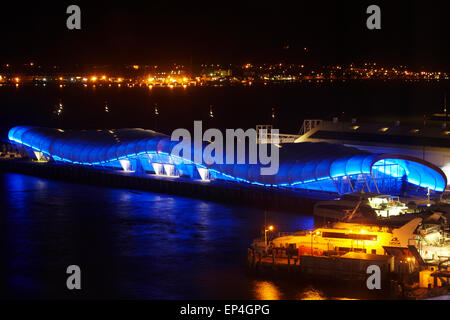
x: 171, y: 82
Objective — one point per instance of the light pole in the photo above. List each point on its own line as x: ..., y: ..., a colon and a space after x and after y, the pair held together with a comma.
x: 265, y: 234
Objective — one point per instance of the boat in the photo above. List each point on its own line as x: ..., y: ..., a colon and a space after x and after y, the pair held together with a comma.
x: 344, y: 237
x: 343, y: 251
x: 366, y: 206
x: 427, y: 240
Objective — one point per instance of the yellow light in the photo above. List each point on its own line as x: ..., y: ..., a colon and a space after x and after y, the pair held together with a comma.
x: 270, y: 228
x: 119, y: 79
x: 103, y: 77
x: 363, y: 231
x: 17, y: 79
x: 60, y: 78
x: 94, y: 78
x: 312, y: 295
x: 266, y: 290
x: 135, y: 67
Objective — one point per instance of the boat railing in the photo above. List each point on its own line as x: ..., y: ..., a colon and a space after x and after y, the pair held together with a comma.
x: 285, y: 234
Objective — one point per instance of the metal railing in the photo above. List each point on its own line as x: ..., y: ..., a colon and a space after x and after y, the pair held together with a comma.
x: 309, y: 125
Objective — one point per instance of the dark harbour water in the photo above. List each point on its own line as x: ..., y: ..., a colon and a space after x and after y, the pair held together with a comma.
x: 132, y: 244
x: 141, y: 245
x: 233, y: 107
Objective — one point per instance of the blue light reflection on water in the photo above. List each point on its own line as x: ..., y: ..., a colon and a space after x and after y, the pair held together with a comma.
x: 129, y: 244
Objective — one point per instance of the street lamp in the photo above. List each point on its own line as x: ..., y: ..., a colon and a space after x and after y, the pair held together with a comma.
x: 270, y: 228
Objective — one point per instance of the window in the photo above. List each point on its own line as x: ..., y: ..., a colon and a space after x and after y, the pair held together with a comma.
x: 339, y: 235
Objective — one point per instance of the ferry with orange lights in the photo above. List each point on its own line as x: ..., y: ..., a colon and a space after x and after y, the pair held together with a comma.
x: 344, y: 251
x: 348, y: 237
x: 427, y: 238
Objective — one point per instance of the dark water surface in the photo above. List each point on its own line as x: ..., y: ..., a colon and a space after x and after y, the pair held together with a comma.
x: 129, y: 244
x: 234, y: 107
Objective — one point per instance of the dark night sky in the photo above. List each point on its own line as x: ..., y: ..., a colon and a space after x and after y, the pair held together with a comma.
x: 416, y: 33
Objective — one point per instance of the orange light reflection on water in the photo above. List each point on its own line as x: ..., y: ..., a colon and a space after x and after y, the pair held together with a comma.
x: 266, y: 290
x: 312, y: 294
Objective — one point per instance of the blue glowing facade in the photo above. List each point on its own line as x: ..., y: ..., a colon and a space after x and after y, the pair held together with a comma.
x: 307, y: 166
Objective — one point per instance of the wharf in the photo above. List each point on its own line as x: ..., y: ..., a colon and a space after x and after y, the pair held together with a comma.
x: 213, y: 190
x: 348, y: 266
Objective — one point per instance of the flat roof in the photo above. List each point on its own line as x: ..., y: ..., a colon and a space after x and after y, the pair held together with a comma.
x: 385, y: 138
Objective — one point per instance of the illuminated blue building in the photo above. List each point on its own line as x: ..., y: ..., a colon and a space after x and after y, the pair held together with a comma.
x: 304, y: 166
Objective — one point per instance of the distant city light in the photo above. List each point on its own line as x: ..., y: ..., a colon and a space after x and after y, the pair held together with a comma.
x: 247, y: 75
